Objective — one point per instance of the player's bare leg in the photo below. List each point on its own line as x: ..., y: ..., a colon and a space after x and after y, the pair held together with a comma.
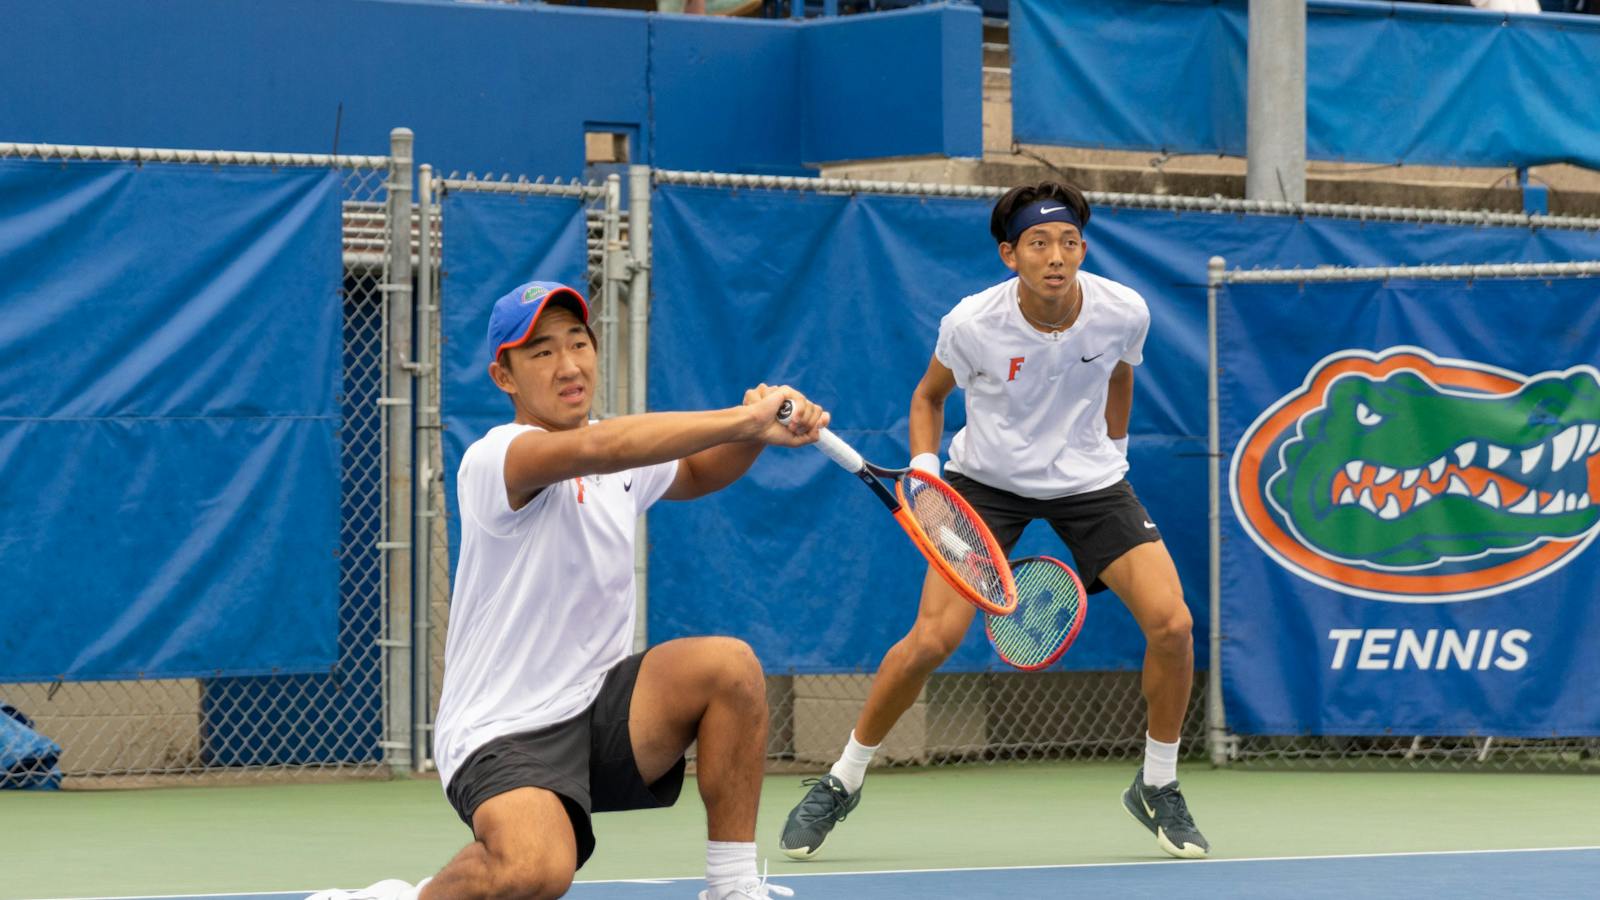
x: 942, y: 622
x: 1147, y: 582
x: 524, y: 848
x: 711, y: 690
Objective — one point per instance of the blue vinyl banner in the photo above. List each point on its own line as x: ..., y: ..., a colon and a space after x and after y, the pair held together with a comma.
x: 492, y: 243
x: 1087, y: 73
x: 1413, y: 470
x: 169, y: 456
x: 1384, y: 81
x: 841, y: 296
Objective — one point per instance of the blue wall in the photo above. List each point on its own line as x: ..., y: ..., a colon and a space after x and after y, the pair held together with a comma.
x: 871, y: 79
x: 1385, y: 82
x: 726, y: 91
x: 489, y: 87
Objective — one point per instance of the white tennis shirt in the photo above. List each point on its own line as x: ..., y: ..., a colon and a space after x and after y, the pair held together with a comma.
x: 1036, y: 402
x: 543, y: 603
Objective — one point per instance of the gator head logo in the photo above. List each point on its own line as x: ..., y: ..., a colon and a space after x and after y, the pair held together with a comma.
x: 1403, y: 476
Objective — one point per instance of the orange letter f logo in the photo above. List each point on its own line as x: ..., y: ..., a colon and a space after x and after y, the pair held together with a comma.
x: 1016, y: 366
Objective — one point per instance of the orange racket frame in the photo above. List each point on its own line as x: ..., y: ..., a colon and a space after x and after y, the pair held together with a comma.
x: 897, y: 503
x: 924, y: 542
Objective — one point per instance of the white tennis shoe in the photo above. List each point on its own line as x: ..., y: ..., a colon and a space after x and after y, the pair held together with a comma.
x: 388, y: 889
x: 749, y: 889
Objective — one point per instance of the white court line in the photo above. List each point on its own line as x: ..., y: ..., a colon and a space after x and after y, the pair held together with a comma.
x: 787, y: 875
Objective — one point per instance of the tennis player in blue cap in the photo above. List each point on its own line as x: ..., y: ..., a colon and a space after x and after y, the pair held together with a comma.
x: 547, y: 716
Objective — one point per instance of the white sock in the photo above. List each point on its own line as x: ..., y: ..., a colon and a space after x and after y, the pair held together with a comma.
x: 417, y: 891
x: 1160, y: 761
x: 727, y: 864
x: 852, y: 765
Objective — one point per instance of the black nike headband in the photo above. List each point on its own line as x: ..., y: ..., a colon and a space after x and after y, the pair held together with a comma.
x: 1039, y: 212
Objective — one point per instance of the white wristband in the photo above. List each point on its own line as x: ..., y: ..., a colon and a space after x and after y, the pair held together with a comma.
x: 1122, y: 445
x: 926, y: 462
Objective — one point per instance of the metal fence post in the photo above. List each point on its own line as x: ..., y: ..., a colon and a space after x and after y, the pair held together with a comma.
x: 427, y: 432
x: 638, y: 345
x: 1216, y: 726
x: 1275, y: 130
x: 398, y: 409
x: 611, y: 275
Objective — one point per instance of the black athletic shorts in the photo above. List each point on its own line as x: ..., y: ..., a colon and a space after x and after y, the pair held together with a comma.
x: 587, y: 761
x: 1097, y: 527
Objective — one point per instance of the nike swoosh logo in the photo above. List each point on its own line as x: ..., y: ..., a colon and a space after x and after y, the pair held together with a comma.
x: 1149, y: 524
x: 628, y: 486
x: 1045, y: 210
x: 1146, y: 804
x: 1094, y: 357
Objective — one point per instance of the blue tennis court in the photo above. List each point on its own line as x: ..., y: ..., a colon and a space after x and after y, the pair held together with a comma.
x: 1553, y: 873
x: 1567, y: 872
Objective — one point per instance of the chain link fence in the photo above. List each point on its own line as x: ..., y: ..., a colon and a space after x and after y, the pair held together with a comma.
x: 373, y: 711
x: 993, y: 717
x: 979, y: 717
x: 120, y: 733
x: 959, y: 718
x: 606, y: 233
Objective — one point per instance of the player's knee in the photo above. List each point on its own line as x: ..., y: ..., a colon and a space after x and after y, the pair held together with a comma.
x: 534, y: 879
x: 931, y: 645
x: 739, y: 673
x: 1173, y: 633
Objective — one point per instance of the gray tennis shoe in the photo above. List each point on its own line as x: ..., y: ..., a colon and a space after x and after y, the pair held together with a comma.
x: 824, y: 806
x: 1162, y: 810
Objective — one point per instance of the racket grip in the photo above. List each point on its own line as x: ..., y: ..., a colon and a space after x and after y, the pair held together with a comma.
x: 837, y: 450
x: 829, y: 443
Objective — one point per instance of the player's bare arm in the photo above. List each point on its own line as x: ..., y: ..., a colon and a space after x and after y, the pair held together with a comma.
x: 540, y: 458
x: 717, y: 467
x: 927, y: 407
x: 1119, y: 401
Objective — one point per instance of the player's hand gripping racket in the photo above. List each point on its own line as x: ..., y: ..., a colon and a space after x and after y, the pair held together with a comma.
x: 1051, y: 604
x: 939, y: 521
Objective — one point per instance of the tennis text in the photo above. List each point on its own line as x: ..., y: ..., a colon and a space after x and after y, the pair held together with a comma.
x: 1407, y: 648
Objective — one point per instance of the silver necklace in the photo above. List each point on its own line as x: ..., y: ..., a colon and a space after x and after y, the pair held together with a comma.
x: 1050, y: 325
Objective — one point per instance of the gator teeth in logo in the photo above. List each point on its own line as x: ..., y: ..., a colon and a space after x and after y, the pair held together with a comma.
x: 533, y: 293
x: 1403, y: 476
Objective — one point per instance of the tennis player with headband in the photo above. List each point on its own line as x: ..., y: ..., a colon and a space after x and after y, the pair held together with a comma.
x: 1046, y: 360
x: 545, y: 717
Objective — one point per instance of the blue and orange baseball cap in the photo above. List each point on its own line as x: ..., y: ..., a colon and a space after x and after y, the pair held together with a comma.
x: 514, y: 315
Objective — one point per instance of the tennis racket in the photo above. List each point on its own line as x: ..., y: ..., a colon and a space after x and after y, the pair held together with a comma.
x: 942, y: 525
x: 1051, y: 605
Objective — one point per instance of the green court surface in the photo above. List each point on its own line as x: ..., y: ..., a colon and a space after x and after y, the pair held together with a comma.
x: 286, y: 837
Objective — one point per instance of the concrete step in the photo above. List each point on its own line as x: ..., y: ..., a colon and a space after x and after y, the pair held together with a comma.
x: 996, y: 54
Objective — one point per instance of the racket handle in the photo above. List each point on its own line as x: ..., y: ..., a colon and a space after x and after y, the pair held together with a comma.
x: 829, y: 443
x: 837, y: 450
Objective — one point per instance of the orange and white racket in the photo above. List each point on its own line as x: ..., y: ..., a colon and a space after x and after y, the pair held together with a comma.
x: 940, y: 523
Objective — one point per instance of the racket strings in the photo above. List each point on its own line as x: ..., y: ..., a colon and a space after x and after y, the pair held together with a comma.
x: 1049, y: 608
x: 958, y: 536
